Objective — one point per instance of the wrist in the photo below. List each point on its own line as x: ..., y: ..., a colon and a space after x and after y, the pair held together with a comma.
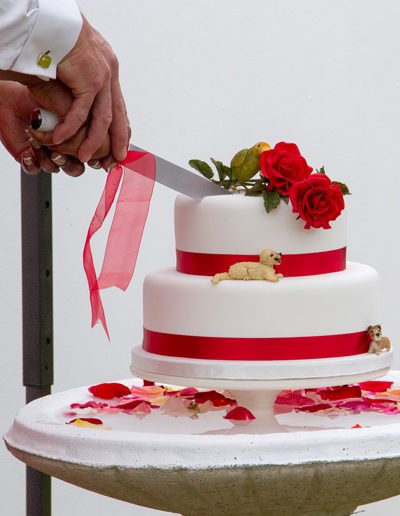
x: 22, y: 78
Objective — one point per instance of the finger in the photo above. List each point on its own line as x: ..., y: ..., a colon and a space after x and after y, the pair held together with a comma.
x: 29, y: 164
x: 40, y: 137
x: 43, y: 157
x: 108, y: 162
x: 101, y: 118
x: 94, y: 163
x: 74, y: 119
x: 69, y: 147
x: 119, y: 129
x: 73, y: 167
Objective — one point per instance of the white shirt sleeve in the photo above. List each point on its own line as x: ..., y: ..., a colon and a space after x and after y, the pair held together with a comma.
x: 31, y: 28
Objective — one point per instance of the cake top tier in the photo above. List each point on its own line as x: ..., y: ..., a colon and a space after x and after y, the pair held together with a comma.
x: 281, y: 205
x: 238, y: 224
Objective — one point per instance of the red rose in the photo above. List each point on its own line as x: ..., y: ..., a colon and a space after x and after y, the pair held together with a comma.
x: 317, y: 200
x: 284, y: 166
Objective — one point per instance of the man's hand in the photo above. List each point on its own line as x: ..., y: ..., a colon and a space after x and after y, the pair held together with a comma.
x: 16, y: 106
x: 90, y: 71
x: 56, y: 97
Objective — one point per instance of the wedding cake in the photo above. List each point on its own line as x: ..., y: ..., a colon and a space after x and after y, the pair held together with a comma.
x: 312, y: 319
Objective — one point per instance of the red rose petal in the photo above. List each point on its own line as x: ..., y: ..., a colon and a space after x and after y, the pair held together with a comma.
x: 107, y: 391
x: 240, y: 414
x: 216, y: 398
x: 89, y: 404
x: 130, y: 405
x: 375, y: 386
x: 341, y: 393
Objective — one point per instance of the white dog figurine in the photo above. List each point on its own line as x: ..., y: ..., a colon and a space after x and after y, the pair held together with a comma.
x: 378, y: 342
x: 262, y: 270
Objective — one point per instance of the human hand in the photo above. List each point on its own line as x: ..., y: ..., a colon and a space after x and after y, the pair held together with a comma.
x: 90, y: 71
x: 55, y: 97
x: 16, y: 106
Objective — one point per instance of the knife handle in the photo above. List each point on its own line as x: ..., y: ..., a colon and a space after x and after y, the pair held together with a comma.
x: 43, y: 120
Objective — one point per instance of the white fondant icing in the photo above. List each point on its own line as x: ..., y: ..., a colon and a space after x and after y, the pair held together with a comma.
x: 235, y: 224
x: 327, y: 304
x: 244, y: 374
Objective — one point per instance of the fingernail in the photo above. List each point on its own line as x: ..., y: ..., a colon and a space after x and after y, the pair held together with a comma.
x: 59, y: 159
x: 34, y: 143
x: 27, y: 161
x: 28, y: 133
x: 94, y: 163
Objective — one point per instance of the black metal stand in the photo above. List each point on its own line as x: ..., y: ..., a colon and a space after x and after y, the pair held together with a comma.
x: 37, y: 303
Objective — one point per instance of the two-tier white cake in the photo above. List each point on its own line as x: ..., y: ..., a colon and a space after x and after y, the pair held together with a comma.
x: 308, y: 327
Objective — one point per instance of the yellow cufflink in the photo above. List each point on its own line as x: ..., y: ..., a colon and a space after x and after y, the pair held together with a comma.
x: 44, y: 60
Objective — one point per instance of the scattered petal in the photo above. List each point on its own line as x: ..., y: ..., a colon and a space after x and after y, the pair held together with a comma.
x: 130, y: 405
x: 89, y: 404
x: 341, y: 393
x: 107, y: 391
x: 86, y: 422
x: 216, y: 398
x: 240, y: 416
x: 375, y: 386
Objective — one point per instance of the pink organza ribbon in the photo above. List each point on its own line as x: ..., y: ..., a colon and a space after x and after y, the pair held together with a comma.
x: 137, y: 173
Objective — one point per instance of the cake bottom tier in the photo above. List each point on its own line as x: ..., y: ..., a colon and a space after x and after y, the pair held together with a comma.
x: 276, y: 374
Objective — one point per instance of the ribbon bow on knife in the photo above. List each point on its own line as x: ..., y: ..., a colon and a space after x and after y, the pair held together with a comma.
x: 136, y: 175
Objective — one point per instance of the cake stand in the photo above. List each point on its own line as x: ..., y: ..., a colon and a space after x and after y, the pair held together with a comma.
x: 256, y: 384
x: 314, y: 466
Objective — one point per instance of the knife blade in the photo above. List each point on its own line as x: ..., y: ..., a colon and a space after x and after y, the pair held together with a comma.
x: 182, y: 180
x: 167, y: 173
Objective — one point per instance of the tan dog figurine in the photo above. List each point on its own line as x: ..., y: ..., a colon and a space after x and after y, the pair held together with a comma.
x: 262, y: 270
x: 378, y: 342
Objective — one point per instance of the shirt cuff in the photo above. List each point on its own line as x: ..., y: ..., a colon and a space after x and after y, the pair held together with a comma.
x: 53, y: 36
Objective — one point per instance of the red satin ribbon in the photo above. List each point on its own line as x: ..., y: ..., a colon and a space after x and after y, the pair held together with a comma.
x: 137, y: 173
x: 276, y: 348
x: 307, y: 264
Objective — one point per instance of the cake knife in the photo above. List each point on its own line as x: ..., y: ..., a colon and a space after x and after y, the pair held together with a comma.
x: 167, y: 173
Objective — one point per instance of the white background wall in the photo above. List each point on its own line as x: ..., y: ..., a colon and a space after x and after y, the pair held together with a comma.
x: 205, y: 79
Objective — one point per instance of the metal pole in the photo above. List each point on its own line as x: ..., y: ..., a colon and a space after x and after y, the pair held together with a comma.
x: 37, y: 305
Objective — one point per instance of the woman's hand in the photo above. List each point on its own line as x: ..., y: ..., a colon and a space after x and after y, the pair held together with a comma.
x: 16, y: 105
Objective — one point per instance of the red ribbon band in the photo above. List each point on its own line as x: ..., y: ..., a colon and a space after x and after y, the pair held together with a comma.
x: 275, y: 348
x: 307, y: 264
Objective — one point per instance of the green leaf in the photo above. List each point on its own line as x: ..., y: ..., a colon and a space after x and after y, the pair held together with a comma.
x: 257, y: 189
x: 271, y: 200
x: 343, y: 187
x: 223, y: 170
x: 220, y: 168
x: 285, y: 198
x: 228, y: 171
x: 202, y: 167
x: 321, y: 170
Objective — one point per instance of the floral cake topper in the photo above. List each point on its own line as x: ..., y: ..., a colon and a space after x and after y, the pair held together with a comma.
x: 280, y: 174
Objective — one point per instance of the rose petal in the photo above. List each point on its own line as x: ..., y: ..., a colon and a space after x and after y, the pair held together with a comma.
x: 375, y: 386
x: 85, y: 422
x: 240, y: 414
x: 217, y: 399
x: 108, y: 391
